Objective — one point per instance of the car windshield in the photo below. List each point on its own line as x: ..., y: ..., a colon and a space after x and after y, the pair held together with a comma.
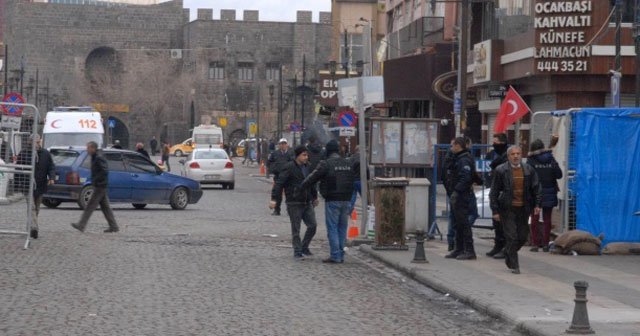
x: 71, y: 139
x: 207, y: 139
x: 64, y: 157
x: 211, y: 155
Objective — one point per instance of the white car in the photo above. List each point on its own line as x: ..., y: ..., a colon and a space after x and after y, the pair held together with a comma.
x: 210, y: 166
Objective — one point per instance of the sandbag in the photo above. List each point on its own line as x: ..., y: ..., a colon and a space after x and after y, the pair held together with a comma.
x: 579, y: 241
x: 622, y: 248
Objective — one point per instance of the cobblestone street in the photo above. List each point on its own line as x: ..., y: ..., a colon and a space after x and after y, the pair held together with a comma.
x: 209, y: 270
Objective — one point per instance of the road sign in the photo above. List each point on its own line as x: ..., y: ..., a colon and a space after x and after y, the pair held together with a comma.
x: 112, y: 123
x: 347, y: 119
x: 295, y: 127
x: 253, y: 129
x: 13, y: 97
x: 497, y: 91
x: 347, y: 131
x: 10, y: 122
x: 457, y: 103
x: 222, y: 122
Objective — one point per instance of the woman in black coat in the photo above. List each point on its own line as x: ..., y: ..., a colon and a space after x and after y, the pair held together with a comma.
x: 549, y: 172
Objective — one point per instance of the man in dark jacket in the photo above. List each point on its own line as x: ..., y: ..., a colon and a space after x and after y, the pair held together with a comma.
x: 99, y: 182
x: 277, y: 161
x: 549, y: 173
x: 316, y: 152
x: 336, y: 186
x: 154, y: 146
x: 44, y: 176
x: 515, y: 192
x: 140, y: 149
x: 300, y: 201
x: 461, y: 187
x: 498, y: 157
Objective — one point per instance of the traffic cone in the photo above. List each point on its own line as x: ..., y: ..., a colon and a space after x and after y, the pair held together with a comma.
x: 263, y: 170
x: 353, y: 230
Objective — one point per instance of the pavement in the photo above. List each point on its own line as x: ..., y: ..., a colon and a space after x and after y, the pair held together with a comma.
x: 540, y: 300
x: 222, y: 266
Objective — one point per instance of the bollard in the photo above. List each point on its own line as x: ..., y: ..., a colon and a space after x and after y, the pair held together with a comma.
x: 419, y: 257
x: 580, y: 323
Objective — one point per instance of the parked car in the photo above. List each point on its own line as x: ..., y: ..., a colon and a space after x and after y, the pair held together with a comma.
x: 210, y: 166
x: 182, y: 149
x: 132, y: 179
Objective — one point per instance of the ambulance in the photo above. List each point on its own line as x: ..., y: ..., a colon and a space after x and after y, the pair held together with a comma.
x: 207, y: 136
x: 72, y: 127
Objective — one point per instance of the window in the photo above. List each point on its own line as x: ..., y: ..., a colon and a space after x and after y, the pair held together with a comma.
x: 245, y: 71
x: 138, y: 164
x: 211, y: 155
x: 627, y: 11
x: 115, y: 162
x: 216, y: 70
x: 64, y: 158
x: 355, y: 47
x: 273, y: 71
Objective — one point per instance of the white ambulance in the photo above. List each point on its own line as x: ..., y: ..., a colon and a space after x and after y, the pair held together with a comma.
x: 72, y: 127
x: 206, y: 136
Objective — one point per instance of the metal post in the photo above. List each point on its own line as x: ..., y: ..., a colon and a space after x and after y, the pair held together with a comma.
x: 258, y: 116
x: 362, y: 142
x: 618, y: 33
x: 580, y: 322
x: 345, y: 58
x: 419, y: 257
x: 280, y: 106
x: 37, y: 78
x: 461, y: 118
x: 295, y: 105
x: 303, y: 93
x: 637, y: 41
x: 6, y: 68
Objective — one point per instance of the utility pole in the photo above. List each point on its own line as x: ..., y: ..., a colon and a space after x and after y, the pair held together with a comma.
x: 295, y: 104
x: 258, y: 115
x: 6, y: 68
x: 37, y: 84
x: 636, y: 33
x: 345, y: 58
x: 461, y: 115
x: 280, y: 106
x: 304, y: 89
x: 618, y: 33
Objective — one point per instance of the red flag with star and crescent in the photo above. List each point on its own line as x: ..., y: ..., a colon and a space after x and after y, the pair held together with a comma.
x: 512, y: 109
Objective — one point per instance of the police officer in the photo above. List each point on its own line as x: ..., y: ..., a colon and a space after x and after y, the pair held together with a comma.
x: 461, y: 187
x: 336, y: 186
x: 277, y: 161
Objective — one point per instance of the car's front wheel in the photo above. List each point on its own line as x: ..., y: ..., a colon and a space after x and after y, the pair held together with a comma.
x: 139, y: 205
x: 85, y: 197
x: 51, y: 202
x: 179, y: 198
x: 178, y: 153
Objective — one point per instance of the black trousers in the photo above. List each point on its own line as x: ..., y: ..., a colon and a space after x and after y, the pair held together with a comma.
x: 516, y: 232
x: 461, y: 225
x: 278, y: 197
x: 499, y: 240
x: 100, y: 197
x: 297, y: 214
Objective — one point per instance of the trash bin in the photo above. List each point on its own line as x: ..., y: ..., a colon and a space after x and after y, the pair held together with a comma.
x: 417, y: 205
x: 389, y: 201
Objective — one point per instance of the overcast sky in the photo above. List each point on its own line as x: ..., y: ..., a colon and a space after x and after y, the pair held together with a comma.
x: 270, y: 10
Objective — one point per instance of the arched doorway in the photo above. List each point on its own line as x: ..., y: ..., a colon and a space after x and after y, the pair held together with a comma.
x: 119, y: 132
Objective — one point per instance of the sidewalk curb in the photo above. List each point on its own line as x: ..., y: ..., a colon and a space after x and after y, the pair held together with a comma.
x: 473, y: 300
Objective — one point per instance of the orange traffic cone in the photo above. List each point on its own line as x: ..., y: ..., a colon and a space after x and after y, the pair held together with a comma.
x: 353, y: 230
x: 263, y: 170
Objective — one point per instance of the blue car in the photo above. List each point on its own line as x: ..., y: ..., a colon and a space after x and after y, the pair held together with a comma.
x: 132, y: 179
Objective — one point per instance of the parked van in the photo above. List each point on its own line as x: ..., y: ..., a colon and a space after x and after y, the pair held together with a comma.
x: 72, y: 127
x: 205, y: 136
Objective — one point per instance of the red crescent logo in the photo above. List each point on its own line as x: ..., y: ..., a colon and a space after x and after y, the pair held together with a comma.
x: 53, y: 123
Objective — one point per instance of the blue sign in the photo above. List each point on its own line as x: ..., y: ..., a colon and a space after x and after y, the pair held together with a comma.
x: 13, y: 98
x: 483, y: 166
x: 457, y: 103
x: 112, y: 123
x: 347, y: 119
x: 295, y: 127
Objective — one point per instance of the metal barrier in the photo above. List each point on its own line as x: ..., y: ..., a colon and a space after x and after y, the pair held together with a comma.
x: 439, y: 202
x: 18, y: 155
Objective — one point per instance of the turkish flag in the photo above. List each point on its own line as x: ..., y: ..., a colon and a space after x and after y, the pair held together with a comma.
x: 512, y: 109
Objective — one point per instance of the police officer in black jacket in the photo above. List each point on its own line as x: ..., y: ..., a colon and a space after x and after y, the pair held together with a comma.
x: 99, y: 182
x: 461, y: 186
x: 336, y: 186
x: 300, y: 201
x: 278, y: 160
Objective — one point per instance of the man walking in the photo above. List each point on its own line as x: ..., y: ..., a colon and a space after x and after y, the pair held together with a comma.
x: 498, y: 157
x: 277, y: 161
x: 154, y: 146
x: 336, y: 186
x: 140, y: 149
x: 44, y: 176
x: 460, y: 186
x: 514, y: 193
x: 99, y: 182
x: 300, y: 201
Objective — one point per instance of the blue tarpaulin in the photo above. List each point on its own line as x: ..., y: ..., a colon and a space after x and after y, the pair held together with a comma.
x: 607, y: 185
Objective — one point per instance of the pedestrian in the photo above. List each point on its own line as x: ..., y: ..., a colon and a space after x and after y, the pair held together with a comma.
x: 336, y: 187
x: 154, y: 145
x: 44, y: 176
x: 549, y: 173
x: 100, y: 196
x: 316, y: 152
x: 357, y: 183
x: 300, y: 201
x: 166, y: 149
x: 140, y: 149
x: 277, y: 161
x: 460, y: 186
x: 515, y: 193
x: 264, y: 151
x: 116, y: 145
x: 498, y: 157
